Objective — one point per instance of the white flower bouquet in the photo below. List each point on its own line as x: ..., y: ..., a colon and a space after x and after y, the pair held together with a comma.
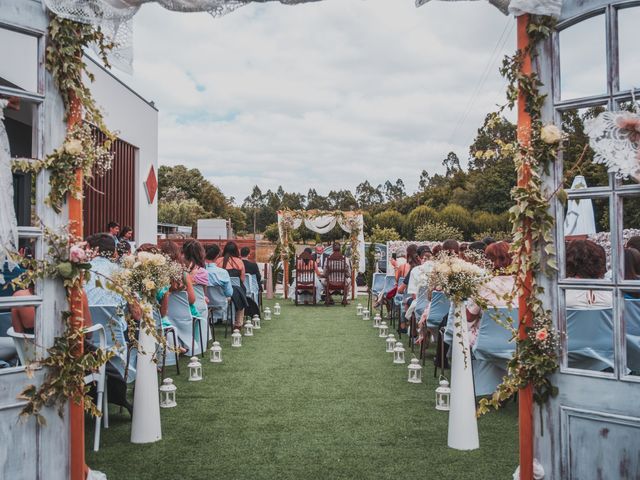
x: 458, y: 279
x: 146, y: 273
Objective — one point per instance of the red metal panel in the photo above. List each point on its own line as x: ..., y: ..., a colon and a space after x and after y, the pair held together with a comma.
x: 112, y: 197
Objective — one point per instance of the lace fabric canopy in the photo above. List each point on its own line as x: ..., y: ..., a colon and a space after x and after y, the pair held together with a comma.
x: 115, y: 16
x: 615, y: 139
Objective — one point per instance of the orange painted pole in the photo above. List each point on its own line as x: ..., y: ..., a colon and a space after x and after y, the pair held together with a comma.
x: 525, y: 396
x: 76, y: 409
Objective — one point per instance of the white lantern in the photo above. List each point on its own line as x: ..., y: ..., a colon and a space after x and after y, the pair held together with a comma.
x: 195, y: 370
x: 359, y: 309
x: 398, y: 353
x: 365, y: 315
x: 168, y: 394
x: 256, y: 322
x: 276, y: 309
x: 216, y: 353
x: 415, y: 371
x: 384, y: 330
x: 443, y: 395
x: 267, y: 313
x: 376, y: 321
x: 236, y: 338
x: 391, y: 342
x: 248, y: 329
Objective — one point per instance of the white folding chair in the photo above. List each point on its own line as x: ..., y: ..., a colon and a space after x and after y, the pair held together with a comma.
x: 100, y: 379
x: 25, y: 344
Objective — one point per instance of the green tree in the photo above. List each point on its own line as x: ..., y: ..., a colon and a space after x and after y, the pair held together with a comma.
x: 181, y: 212
x: 383, y: 235
x: 419, y: 216
x: 457, y: 217
x: 390, y: 219
x: 193, y: 185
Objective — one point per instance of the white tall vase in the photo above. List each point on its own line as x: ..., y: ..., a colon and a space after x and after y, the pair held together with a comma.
x: 463, y: 425
x: 145, y: 427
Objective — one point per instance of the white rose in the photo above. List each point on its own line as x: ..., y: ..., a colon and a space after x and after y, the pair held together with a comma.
x: 149, y: 285
x: 550, y: 134
x: 144, y: 257
x: 158, y: 260
x: 73, y: 146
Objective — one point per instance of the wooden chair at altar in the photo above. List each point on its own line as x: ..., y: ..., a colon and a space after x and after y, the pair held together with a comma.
x: 305, y: 281
x: 336, y: 276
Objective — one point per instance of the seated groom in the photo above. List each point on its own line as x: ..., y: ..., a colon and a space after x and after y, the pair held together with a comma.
x: 337, y: 272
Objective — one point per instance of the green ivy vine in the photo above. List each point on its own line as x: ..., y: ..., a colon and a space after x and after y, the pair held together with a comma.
x: 536, y: 356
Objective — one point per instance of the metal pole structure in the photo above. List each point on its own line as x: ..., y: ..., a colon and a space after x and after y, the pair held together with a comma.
x: 76, y: 409
x: 525, y: 395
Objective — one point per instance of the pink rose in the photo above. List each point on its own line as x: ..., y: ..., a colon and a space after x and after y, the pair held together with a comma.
x: 77, y: 254
x: 542, y: 334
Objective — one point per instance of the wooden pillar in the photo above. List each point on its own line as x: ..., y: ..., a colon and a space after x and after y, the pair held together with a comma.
x: 76, y: 409
x: 525, y: 396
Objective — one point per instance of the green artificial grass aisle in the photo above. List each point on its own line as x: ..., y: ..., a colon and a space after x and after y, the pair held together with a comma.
x: 312, y: 395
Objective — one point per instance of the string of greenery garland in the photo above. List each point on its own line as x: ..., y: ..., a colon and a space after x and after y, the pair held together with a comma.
x: 536, y: 356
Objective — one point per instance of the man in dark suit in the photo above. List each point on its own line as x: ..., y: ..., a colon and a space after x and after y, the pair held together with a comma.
x: 249, y: 266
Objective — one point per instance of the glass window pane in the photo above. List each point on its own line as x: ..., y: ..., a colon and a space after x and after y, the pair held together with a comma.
x: 574, y: 162
x: 631, y: 302
x: 18, y: 62
x: 17, y: 335
x: 589, y: 329
x: 583, y: 59
x: 628, y: 21
x: 631, y: 237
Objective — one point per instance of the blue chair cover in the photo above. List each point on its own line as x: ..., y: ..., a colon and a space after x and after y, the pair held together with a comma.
x: 255, y: 288
x: 115, y: 328
x: 389, y: 283
x: 235, y: 281
x: 590, y: 339
x: 218, y: 303
x: 179, y: 314
x: 439, y: 307
x: 421, y: 302
x: 448, y: 329
x: 378, y: 283
x: 201, y: 303
x: 632, y: 333
x: 493, y: 349
x: 494, y: 342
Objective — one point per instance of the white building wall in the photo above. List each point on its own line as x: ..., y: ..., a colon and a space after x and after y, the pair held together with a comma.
x: 136, y: 122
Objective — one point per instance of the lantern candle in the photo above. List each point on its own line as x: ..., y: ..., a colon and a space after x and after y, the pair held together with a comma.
x: 168, y: 394
x: 398, y: 353
x: 236, y: 339
x: 256, y: 322
x: 443, y: 395
x: 391, y: 342
x: 415, y: 371
x: 195, y: 370
x: 384, y: 330
x: 216, y: 353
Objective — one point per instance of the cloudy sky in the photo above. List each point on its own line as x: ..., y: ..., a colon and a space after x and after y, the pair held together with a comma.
x: 321, y: 95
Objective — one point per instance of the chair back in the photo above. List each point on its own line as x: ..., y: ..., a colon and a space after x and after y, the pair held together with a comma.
x: 335, y: 272
x: 305, y: 274
x: 494, y: 341
x: 251, y: 284
x: 25, y: 344
x: 178, y: 307
x: 632, y: 332
x: 590, y: 339
x: 235, y: 281
x: 440, y: 305
x: 218, y: 303
x: 422, y: 300
x: 389, y: 283
x: 200, y: 303
x: 114, y: 330
x: 179, y: 315
x: 377, y: 283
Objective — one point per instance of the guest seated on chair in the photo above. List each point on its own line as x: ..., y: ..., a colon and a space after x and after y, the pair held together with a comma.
x: 251, y: 267
x: 496, y: 289
x: 587, y: 259
x: 217, y: 276
x: 232, y: 263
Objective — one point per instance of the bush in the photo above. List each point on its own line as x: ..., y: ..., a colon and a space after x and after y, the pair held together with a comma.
x: 459, y: 218
x: 383, y: 235
x: 437, y: 232
x: 390, y: 219
x: 496, y: 235
x: 420, y: 216
x: 271, y: 233
x: 485, y: 221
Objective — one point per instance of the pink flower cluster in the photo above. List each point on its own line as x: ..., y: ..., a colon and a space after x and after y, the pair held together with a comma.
x: 78, y: 253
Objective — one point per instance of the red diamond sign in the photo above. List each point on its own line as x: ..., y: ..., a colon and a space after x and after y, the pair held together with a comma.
x: 151, y: 185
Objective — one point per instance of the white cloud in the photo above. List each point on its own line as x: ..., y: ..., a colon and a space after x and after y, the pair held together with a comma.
x: 321, y: 95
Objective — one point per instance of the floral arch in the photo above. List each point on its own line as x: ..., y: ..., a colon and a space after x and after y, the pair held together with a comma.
x: 322, y: 221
